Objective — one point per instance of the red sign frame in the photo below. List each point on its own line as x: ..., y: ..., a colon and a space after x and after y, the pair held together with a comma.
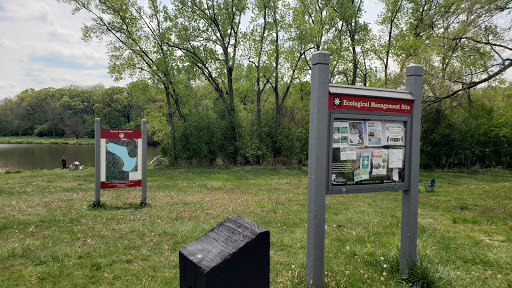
x: 369, y: 104
x: 121, y: 134
x: 121, y: 184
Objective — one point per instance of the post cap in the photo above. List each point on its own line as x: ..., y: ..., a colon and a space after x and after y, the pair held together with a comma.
x: 414, y: 70
x: 320, y: 57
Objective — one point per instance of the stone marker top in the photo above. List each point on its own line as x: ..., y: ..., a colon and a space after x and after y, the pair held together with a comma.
x: 228, y: 236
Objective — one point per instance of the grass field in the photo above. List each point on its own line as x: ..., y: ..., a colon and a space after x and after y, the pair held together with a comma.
x: 50, y: 236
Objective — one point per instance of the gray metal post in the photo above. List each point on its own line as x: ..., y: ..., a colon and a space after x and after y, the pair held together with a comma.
x: 144, y: 160
x: 409, y: 217
x: 97, y: 164
x: 317, y: 168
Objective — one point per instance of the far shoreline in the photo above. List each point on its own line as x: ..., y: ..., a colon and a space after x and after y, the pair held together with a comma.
x: 45, y: 140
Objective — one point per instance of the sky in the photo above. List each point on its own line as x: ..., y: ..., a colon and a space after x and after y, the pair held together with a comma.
x: 41, y: 46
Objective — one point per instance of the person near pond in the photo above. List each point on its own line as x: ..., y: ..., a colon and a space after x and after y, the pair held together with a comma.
x: 63, y: 162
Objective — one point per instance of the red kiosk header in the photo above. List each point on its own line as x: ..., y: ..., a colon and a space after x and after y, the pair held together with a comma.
x: 369, y: 104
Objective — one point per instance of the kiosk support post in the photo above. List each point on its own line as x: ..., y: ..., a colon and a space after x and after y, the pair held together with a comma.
x: 409, y: 217
x: 317, y: 168
x: 144, y: 136
x: 97, y: 166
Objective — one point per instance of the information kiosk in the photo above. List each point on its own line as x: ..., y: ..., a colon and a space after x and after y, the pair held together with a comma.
x: 362, y: 140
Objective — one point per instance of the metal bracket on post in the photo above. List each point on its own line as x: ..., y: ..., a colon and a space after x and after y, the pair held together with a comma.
x: 409, y: 217
x: 97, y: 165
x: 317, y: 168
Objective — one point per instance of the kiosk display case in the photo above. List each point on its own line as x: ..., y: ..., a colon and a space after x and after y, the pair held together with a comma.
x: 369, y: 139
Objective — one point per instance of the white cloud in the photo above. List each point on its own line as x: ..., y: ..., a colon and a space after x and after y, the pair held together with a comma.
x: 27, y: 10
x: 7, y: 43
x: 41, y: 46
x: 372, y: 10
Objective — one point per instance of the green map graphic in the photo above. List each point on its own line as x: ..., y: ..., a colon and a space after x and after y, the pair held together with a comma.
x: 114, y: 164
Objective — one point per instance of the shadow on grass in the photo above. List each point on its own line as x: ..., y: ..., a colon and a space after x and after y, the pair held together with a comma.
x: 422, y: 276
x: 121, y: 206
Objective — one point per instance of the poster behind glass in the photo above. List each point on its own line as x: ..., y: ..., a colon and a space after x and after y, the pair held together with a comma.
x: 367, y: 152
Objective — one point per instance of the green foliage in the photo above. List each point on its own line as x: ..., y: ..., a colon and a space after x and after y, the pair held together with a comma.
x: 470, y: 133
x: 158, y: 125
x: 257, y: 140
x: 289, y: 144
x: 201, y: 139
x: 69, y: 111
x: 46, y: 130
x: 116, y: 107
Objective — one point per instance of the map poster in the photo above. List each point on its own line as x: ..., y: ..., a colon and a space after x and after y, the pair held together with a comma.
x: 120, y: 153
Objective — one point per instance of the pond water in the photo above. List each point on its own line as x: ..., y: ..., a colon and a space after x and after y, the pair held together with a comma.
x: 48, y: 156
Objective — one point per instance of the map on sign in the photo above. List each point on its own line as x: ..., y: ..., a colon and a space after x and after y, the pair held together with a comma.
x: 121, y: 159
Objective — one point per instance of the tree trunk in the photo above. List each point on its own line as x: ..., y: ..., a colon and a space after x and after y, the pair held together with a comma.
x: 170, y: 119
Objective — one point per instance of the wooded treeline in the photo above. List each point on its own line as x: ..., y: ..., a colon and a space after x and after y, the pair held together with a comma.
x: 474, y: 132
x: 228, y: 79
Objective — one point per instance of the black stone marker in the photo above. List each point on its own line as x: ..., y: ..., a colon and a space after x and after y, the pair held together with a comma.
x: 234, y: 254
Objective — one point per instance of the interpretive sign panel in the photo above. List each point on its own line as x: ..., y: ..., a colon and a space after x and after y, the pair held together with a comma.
x: 369, y: 139
x: 121, y: 151
x: 120, y: 157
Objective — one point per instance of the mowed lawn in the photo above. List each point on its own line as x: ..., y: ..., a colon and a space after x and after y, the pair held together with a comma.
x: 50, y: 236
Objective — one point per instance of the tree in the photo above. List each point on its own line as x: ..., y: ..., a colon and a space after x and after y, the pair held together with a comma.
x: 461, y: 44
x: 53, y: 111
x: 79, y: 101
x: 389, y: 19
x: 137, y: 45
x: 75, y: 127
x: 349, y: 14
x: 116, y: 106
x: 12, y: 114
x: 208, y: 33
x: 256, y: 45
x: 290, y: 43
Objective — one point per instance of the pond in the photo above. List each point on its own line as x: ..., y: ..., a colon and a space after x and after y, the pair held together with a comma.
x: 48, y: 156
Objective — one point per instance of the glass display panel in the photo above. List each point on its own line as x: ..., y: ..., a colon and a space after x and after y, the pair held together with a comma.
x: 367, y: 151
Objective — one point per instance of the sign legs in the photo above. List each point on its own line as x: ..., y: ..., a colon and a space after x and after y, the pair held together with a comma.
x: 97, y: 166
x: 409, y: 217
x: 143, y: 185
x: 317, y: 169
